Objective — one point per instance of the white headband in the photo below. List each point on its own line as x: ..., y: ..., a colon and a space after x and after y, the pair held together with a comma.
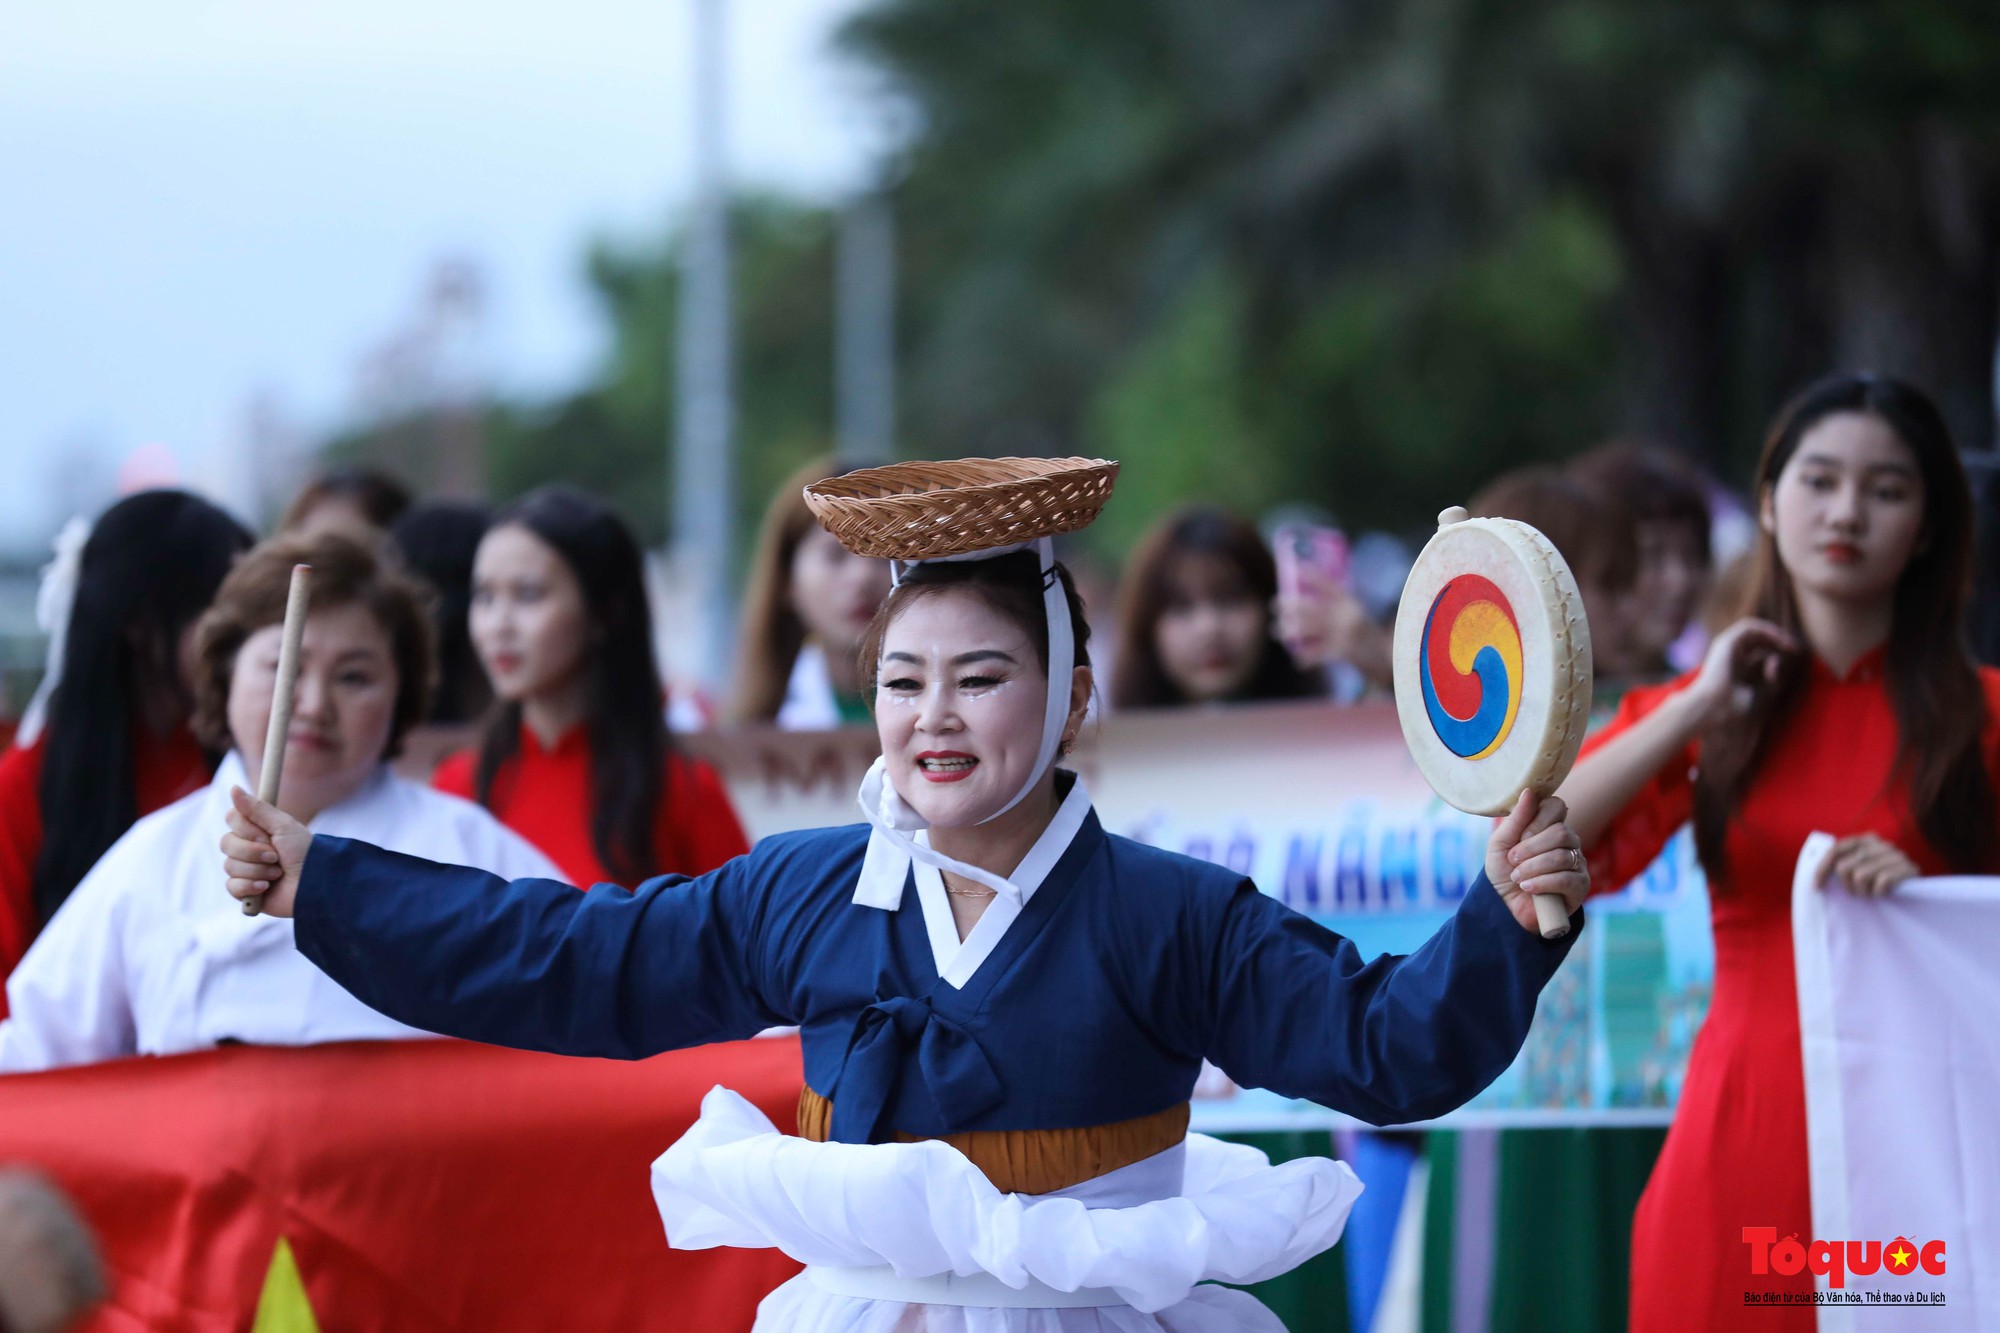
x: 890, y: 846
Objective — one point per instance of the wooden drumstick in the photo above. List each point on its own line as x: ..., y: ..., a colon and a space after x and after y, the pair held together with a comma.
x: 281, y: 697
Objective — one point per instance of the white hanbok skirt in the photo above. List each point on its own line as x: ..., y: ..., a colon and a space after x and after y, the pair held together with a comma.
x: 912, y: 1237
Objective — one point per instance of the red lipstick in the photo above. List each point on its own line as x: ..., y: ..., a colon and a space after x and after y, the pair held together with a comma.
x: 946, y: 765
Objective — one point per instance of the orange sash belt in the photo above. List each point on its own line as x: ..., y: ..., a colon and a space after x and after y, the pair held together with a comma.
x: 1036, y: 1161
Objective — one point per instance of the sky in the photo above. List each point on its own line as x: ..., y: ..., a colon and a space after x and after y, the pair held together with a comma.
x: 215, y: 202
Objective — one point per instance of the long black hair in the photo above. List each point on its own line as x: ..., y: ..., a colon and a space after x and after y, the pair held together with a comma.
x: 625, y: 710
x: 1139, y: 680
x: 151, y: 566
x: 1933, y: 683
x: 438, y: 539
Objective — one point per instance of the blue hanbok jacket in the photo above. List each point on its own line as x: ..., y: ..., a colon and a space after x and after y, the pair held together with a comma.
x: 1127, y: 966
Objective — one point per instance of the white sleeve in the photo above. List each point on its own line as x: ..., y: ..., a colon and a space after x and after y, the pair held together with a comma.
x: 68, y: 1000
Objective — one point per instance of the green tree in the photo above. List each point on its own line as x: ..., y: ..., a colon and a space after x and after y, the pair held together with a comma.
x: 1365, y: 252
x: 1411, y: 244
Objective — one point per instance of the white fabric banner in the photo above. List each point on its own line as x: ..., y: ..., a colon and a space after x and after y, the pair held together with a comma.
x: 1899, y: 1015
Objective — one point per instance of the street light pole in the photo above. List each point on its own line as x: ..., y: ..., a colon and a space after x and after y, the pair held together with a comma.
x: 704, y: 400
x: 865, y: 330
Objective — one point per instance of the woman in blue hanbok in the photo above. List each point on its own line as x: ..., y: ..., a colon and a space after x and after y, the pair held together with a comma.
x: 1003, y: 1008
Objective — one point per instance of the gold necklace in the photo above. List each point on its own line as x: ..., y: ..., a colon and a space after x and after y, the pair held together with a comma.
x: 967, y: 893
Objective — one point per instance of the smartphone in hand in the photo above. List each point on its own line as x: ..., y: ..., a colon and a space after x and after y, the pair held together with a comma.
x: 1299, y: 547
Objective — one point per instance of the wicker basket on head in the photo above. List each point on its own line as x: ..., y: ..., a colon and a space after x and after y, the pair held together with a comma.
x: 922, y: 511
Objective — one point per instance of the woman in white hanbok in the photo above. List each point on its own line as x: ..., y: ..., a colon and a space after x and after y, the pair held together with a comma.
x: 145, y: 958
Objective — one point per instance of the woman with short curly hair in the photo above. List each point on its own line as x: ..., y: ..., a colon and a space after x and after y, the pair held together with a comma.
x: 142, y: 959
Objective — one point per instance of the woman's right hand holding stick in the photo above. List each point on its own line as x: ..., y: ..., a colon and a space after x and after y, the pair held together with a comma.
x: 263, y: 852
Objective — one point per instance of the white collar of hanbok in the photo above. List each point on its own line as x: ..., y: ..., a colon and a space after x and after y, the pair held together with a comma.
x: 887, y: 865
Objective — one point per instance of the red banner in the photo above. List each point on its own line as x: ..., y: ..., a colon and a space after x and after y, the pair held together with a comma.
x: 421, y: 1185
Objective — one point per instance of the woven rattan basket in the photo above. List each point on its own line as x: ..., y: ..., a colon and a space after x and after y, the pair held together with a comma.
x: 922, y: 511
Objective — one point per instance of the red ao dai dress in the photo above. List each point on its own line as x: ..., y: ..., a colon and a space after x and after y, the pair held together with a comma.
x: 1736, y: 1154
